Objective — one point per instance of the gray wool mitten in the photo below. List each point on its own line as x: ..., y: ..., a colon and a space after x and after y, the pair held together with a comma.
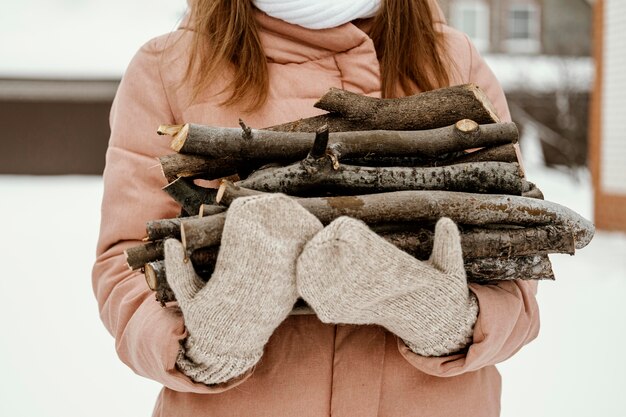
x: 349, y: 274
x: 252, y: 290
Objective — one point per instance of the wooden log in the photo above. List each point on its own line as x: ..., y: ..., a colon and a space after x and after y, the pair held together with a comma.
x: 477, y: 242
x: 202, y: 232
x: 157, y: 282
x: 429, y: 110
x: 491, y: 270
x: 488, y: 243
x: 502, y: 153
x: 164, y: 228
x: 482, y: 271
x: 266, y: 145
x: 530, y: 190
x: 197, y: 166
x: 423, y: 206
x: 138, y: 256
x: 321, y: 177
x: 189, y: 195
x: 210, y: 209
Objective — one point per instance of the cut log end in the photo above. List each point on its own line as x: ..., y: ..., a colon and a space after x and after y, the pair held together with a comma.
x: 126, y: 256
x: 467, y: 126
x: 218, y: 197
x: 183, y: 237
x: 179, y: 138
x: 484, y: 100
x: 151, y: 277
x: 170, y: 130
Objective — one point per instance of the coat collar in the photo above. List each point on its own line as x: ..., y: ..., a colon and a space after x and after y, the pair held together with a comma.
x: 286, y: 43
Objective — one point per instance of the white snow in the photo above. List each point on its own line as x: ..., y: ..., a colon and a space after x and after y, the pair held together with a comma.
x: 79, y: 38
x: 533, y: 73
x: 58, y: 360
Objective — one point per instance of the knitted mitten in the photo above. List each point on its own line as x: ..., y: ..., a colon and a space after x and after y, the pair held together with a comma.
x: 349, y: 274
x: 252, y: 290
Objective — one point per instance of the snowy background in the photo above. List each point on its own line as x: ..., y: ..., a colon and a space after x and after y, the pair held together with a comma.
x: 56, y: 358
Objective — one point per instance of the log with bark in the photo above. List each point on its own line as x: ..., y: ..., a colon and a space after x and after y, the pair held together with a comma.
x: 222, y: 143
x: 321, y: 177
x: 417, y: 240
x: 423, y: 206
x: 428, y: 110
x: 190, y: 196
x: 480, y: 270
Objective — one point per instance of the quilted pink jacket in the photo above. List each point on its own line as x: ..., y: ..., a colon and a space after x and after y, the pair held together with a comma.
x: 309, y: 369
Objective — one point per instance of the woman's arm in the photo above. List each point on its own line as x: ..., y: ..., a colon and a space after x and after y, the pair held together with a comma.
x: 508, y: 315
x: 146, y: 335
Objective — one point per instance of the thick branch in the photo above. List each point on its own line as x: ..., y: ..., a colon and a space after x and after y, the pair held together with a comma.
x: 197, y: 166
x: 202, y: 232
x: 427, y: 110
x: 138, y: 256
x: 164, y: 228
x: 157, y: 282
x: 481, y: 270
x: 423, y: 206
x: 486, y: 270
x: 320, y: 177
x: 502, y: 153
x: 485, y: 243
x: 189, y: 195
x: 530, y: 190
x: 218, y: 142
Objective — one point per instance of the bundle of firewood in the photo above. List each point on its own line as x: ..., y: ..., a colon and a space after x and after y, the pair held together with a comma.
x: 397, y: 164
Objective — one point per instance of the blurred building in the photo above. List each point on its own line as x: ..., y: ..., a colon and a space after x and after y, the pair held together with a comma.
x: 608, y: 141
x: 540, y: 51
x: 524, y: 26
x: 55, y: 126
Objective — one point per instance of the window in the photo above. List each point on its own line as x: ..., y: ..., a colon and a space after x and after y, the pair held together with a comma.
x: 472, y: 17
x: 523, y: 29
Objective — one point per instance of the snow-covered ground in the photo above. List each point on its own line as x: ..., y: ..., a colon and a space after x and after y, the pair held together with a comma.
x: 56, y: 358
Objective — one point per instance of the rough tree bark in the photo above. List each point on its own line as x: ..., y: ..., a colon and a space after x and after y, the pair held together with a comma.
x: 266, y: 145
x: 197, y: 166
x: 138, y: 256
x: 489, y: 243
x: 189, y: 195
x: 536, y: 267
x: 422, y: 206
x: 483, y: 270
x: 320, y: 177
x: 432, y: 109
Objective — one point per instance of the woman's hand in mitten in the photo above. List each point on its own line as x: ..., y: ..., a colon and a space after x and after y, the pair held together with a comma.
x: 349, y: 274
x: 252, y: 290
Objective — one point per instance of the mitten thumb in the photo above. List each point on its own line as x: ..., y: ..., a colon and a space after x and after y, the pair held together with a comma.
x: 181, y: 276
x: 447, y: 255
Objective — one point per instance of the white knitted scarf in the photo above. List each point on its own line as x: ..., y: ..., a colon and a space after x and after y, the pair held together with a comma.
x: 318, y: 14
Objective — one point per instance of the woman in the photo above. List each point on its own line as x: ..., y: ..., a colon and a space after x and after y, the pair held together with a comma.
x: 230, y: 59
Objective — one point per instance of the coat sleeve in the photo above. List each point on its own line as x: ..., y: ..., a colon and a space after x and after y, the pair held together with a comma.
x: 508, y: 315
x: 146, y: 335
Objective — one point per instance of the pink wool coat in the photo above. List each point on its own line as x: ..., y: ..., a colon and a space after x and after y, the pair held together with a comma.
x: 309, y: 369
